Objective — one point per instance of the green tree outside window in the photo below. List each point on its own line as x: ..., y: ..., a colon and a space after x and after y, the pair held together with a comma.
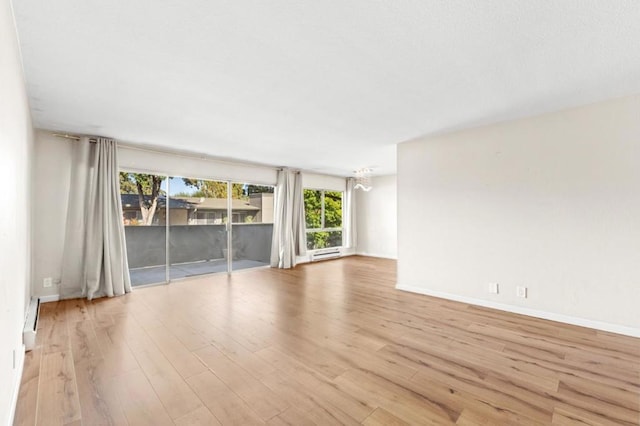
x: 323, y: 218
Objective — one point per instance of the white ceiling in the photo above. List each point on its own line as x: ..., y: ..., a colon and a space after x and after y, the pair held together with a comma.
x: 330, y: 86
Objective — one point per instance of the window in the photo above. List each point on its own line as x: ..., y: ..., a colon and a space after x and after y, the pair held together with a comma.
x: 323, y: 218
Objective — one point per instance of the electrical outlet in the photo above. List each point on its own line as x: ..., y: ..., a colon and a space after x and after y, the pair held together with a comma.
x: 493, y: 288
x: 521, y: 292
x: 47, y: 282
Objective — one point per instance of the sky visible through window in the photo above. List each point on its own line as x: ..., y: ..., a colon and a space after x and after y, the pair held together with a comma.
x: 179, y: 187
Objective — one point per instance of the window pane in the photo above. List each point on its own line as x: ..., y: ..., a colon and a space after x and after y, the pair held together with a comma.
x: 252, y: 225
x: 313, y: 208
x: 144, y: 213
x: 323, y: 239
x: 335, y: 239
x: 241, y: 210
x: 197, y: 235
x: 332, y: 209
x: 260, y: 199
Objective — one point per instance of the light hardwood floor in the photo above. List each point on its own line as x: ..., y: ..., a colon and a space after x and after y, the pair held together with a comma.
x: 325, y: 343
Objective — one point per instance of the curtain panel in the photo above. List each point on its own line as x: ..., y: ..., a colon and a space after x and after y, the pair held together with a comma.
x: 95, y: 256
x: 350, y: 226
x: 289, y: 238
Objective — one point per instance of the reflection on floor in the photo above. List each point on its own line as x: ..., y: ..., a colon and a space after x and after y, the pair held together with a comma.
x: 156, y: 274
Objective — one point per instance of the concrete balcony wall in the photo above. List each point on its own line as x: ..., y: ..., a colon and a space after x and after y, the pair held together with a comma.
x: 194, y: 243
x: 252, y: 241
x: 146, y: 245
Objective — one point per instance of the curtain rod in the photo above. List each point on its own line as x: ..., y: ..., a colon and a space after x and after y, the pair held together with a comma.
x: 196, y: 156
x: 188, y: 155
x: 72, y: 137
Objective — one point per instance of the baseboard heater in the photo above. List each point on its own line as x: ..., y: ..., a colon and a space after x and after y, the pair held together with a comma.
x: 326, y: 254
x: 31, y: 325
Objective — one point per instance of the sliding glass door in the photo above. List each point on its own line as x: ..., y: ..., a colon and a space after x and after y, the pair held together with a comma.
x: 198, y: 221
x: 252, y: 225
x: 144, y: 213
x: 180, y: 227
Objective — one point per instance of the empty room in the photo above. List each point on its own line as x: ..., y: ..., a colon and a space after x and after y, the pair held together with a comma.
x: 318, y: 213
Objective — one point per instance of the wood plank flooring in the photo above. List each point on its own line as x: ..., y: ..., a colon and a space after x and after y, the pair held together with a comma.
x: 326, y: 343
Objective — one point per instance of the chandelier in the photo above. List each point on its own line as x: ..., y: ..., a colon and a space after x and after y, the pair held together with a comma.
x: 363, y: 179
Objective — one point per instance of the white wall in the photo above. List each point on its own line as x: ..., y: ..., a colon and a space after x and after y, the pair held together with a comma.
x: 551, y: 203
x: 315, y: 181
x: 135, y: 158
x: 377, y: 218
x: 15, y: 166
x: 52, y: 168
x: 193, y: 167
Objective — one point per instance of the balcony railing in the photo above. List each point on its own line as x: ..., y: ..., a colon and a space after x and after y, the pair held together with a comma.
x: 146, y: 245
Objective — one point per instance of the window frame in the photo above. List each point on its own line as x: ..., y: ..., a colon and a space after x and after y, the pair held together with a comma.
x: 322, y: 218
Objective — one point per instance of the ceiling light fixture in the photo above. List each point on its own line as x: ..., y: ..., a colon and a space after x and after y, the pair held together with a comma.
x: 363, y: 179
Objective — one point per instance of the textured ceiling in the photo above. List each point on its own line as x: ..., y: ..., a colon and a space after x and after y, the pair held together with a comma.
x: 330, y: 86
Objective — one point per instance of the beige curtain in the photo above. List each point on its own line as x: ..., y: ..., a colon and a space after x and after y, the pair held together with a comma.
x: 76, y: 226
x: 95, y: 257
x: 289, y: 238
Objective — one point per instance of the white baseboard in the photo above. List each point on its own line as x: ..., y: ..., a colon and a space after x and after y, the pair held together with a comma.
x: 49, y: 298
x: 382, y: 256
x: 307, y: 258
x: 16, y: 386
x: 348, y: 251
x: 567, y: 319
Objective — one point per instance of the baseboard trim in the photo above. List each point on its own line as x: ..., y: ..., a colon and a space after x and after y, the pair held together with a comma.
x: 301, y: 260
x: 16, y: 386
x: 567, y: 319
x: 382, y: 256
x: 49, y: 298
